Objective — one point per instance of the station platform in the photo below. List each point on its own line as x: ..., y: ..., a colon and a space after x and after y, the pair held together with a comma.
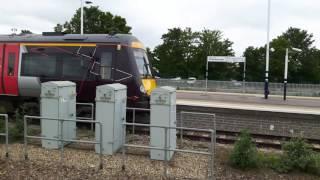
x: 297, y: 116
x: 253, y: 102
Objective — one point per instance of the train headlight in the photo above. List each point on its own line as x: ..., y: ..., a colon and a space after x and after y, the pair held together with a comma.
x: 142, y: 89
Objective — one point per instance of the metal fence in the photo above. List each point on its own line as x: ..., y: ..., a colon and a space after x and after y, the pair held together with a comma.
x: 134, y: 110
x: 91, y: 106
x: 192, y: 119
x: 166, y: 148
x: 6, y: 133
x: 60, y: 137
x: 242, y: 87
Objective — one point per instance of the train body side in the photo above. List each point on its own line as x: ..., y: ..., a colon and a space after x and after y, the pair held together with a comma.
x: 24, y: 66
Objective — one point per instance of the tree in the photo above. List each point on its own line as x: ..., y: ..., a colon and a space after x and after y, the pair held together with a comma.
x: 183, y: 53
x: 95, y: 22
x: 255, y: 62
x: 303, y: 67
x: 175, y: 53
x: 25, y: 31
x: 213, y: 44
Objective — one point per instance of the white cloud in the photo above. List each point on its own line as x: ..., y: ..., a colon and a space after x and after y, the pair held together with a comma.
x: 243, y: 22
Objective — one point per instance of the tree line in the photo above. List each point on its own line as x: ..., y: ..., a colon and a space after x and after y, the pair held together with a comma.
x: 183, y: 52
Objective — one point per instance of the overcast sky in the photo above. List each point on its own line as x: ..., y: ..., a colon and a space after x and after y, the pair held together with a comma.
x: 242, y: 21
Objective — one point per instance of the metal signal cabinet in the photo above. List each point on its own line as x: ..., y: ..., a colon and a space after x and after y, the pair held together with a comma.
x: 111, y: 103
x: 58, y: 100
x: 163, y: 113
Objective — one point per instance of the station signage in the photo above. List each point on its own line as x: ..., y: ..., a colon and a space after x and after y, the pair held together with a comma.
x: 226, y: 59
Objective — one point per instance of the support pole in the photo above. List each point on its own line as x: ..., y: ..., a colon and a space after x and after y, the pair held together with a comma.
x: 207, y: 76
x: 81, y: 17
x: 285, y: 75
x: 266, y: 84
x: 244, y: 76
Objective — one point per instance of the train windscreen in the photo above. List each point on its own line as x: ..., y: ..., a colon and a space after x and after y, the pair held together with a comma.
x: 142, y: 62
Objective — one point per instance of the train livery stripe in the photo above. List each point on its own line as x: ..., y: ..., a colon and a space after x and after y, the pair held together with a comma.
x: 60, y: 44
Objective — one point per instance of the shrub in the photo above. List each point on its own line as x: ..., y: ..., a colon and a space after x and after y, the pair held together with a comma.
x: 2, y: 109
x: 297, y: 154
x: 314, y: 166
x: 16, y: 132
x: 2, y: 124
x: 244, y: 154
x: 268, y: 160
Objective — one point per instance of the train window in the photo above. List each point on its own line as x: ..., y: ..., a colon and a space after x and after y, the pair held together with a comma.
x: 106, y: 65
x: 11, y: 64
x: 142, y: 62
x: 38, y: 65
x: 74, y: 66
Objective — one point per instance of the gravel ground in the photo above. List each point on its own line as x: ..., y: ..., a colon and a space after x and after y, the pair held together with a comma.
x: 82, y: 163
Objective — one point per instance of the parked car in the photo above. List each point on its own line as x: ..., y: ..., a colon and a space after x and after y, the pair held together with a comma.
x: 191, y: 80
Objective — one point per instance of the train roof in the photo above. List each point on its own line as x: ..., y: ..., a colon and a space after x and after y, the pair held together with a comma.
x: 71, y: 38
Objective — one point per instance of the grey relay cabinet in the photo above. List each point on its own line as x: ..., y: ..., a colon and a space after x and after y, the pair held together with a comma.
x: 163, y: 113
x: 58, y: 100
x: 111, y: 102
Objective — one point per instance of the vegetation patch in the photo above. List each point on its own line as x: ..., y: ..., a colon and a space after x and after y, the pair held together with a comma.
x: 297, y: 155
x: 244, y: 154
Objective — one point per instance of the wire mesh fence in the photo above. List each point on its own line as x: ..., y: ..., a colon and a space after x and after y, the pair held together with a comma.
x: 242, y: 87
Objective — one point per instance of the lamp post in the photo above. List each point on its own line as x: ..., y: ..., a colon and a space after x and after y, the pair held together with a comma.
x: 86, y: 2
x: 266, y: 84
x: 286, y: 71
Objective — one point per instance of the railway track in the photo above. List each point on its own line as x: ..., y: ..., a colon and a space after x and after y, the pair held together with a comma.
x: 226, y: 137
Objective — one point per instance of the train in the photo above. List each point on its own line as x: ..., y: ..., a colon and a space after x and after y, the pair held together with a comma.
x: 89, y: 60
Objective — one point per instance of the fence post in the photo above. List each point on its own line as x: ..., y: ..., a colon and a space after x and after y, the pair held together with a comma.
x: 61, y: 142
x: 25, y: 138
x: 181, y: 125
x: 212, y: 155
x: 123, y: 146
x: 166, y: 152
x: 7, y: 134
x: 92, y: 116
x: 101, y: 149
x: 133, y: 120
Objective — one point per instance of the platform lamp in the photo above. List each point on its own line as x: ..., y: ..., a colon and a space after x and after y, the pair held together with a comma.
x: 86, y: 2
x: 286, y: 70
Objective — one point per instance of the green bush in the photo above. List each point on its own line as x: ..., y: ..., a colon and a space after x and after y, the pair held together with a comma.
x: 297, y: 154
x: 16, y: 132
x: 314, y: 166
x: 2, y: 109
x: 268, y: 160
x: 244, y: 154
x: 2, y: 126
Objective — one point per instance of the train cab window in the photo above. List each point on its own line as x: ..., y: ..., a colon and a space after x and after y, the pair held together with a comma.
x: 106, y: 65
x: 11, y: 64
x: 142, y: 62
